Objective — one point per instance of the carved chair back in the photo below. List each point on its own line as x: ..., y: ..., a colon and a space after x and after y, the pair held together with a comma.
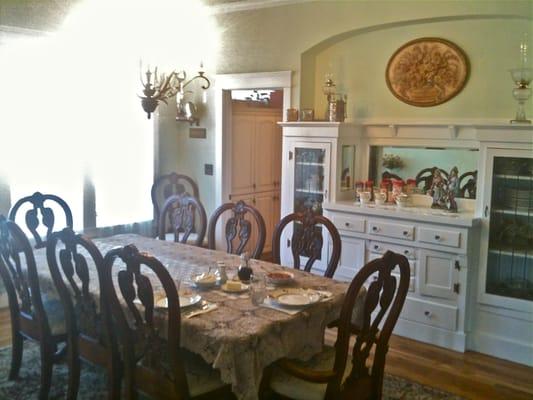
x: 382, y: 305
x: 168, y: 185
x: 468, y: 189
x: 139, y: 336
x: 184, y: 214
x: 37, y: 202
x: 19, y: 273
x: 75, y: 264
x: 425, y: 177
x: 307, y: 240
x: 238, y: 229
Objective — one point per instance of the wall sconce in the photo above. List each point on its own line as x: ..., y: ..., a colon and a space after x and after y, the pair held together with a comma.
x: 164, y: 87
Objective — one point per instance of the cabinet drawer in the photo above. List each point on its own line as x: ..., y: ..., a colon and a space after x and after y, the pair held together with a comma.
x: 347, y: 223
x: 399, y: 231
x: 439, y: 315
x: 444, y: 238
x: 412, y: 264
x: 381, y: 248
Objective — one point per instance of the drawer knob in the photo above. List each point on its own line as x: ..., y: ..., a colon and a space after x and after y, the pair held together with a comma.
x: 376, y: 247
x: 406, y: 252
x: 375, y: 228
x: 405, y: 233
x: 428, y: 313
x: 346, y: 224
x: 437, y: 237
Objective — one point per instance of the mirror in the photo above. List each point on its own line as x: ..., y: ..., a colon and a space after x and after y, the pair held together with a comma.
x: 347, y: 163
x: 419, y: 163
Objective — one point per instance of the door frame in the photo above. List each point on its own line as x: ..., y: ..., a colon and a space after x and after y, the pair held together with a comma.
x: 223, y: 87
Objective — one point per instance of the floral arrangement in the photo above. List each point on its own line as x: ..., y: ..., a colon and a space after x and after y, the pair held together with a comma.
x: 392, y: 161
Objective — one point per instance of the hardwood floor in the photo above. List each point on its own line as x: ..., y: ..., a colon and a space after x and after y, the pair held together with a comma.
x: 471, y: 375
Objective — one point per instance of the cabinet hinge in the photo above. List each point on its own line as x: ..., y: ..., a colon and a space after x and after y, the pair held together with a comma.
x: 290, y: 155
x: 457, y: 266
x: 456, y: 287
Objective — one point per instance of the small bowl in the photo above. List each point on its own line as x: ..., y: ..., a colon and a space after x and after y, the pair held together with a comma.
x: 205, y: 280
x: 280, y: 278
x: 402, y: 200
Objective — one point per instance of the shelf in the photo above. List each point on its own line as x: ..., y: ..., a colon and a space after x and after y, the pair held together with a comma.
x: 518, y: 177
x: 318, y: 164
x: 512, y: 212
x: 511, y: 253
x: 309, y: 191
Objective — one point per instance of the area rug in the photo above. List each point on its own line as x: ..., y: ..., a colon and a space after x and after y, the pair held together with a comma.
x: 93, y: 382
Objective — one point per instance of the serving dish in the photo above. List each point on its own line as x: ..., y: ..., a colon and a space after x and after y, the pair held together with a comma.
x: 280, y: 278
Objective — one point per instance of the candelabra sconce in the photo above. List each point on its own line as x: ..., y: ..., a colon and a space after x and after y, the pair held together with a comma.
x: 522, y: 78
x: 161, y: 88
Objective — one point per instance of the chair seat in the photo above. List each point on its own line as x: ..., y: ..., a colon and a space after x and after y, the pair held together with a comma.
x: 298, y: 389
x: 55, y: 314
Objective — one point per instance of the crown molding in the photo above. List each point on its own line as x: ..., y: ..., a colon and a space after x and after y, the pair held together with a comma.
x: 247, y: 5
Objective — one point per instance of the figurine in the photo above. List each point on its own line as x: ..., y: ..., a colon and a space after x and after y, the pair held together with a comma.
x: 437, y: 190
x: 452, y: 189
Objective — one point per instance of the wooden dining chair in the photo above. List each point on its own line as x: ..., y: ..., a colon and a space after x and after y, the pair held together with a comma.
x: 238, y: 229
x: 307, y: 240
x: 76, y: 266
x: 34, y: 315
x: 425, y: 176
x: 38, y: 203
x: 184, y: 216
x: 166, y: 186
x: 468, y: 189
x: 331, y: 375
x: 152, y: 365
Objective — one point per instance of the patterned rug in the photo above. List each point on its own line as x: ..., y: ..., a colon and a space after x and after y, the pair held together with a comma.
x: 93, y: 382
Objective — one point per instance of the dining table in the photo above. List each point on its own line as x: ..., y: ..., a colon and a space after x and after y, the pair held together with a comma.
x: 237, y: 337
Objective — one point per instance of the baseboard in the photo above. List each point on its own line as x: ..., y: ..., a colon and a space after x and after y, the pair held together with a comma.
x: 501, y: 347
x: 432, y: 335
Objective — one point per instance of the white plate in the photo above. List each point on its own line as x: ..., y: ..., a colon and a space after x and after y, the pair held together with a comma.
x: 185, y: 301
x: 298, y: 299
x: 243, y: 288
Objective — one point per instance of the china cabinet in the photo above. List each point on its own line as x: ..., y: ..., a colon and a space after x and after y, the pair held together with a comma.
x: 471, y: 272
x: 318, y: 165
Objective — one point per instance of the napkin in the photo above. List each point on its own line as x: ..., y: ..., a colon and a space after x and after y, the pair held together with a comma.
x: 208, y: 308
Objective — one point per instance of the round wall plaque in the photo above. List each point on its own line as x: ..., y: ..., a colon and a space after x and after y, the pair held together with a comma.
x: 426, y: 72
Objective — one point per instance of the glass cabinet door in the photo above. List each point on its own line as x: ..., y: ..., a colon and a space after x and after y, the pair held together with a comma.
x: 509, y: 259
x: 309, y: 178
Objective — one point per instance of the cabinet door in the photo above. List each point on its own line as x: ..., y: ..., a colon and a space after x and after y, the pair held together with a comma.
x: 308, y: 185
x: 266, y: 204
x: 506, y: 259
x: 352, y: 258
x: 242, y: 154
x: 439, y: 274
x: 267, y: 162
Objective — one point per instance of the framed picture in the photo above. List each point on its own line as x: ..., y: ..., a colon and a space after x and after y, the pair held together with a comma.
x: 426, y: 72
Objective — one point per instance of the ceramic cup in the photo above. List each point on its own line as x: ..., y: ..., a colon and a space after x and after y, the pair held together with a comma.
x: 365, y: 198
x: 380, y: 198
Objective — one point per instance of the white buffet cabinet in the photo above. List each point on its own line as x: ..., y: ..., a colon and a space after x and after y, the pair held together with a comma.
x: 436, y: 246
x: 471, y: 279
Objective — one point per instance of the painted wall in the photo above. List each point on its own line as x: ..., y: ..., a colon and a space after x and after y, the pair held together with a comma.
x: 354, y: 39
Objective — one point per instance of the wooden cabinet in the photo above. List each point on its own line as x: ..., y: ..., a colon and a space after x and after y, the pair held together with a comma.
x: 439, y: 274
x: 256, y: 163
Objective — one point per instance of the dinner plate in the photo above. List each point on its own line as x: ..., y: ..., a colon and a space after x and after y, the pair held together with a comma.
x: 185, y: 301
x: 243, y: 288
x: 298, y: 298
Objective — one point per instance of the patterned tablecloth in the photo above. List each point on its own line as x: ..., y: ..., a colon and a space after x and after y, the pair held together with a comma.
x: 239, y: 338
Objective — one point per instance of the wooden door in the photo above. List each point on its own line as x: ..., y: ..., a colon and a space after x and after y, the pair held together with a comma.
x: 268, y: 205
x: 267, y: 161
x: 242, y: 154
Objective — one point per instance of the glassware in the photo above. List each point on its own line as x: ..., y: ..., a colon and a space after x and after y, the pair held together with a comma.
x: 245, y: 272
x: 221, y: 272
x: 258, y: 291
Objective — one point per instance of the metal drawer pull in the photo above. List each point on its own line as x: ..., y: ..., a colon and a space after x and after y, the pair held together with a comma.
x: 428, y: 313
x: 406, y: 252
x: 405, y: 233
x: 347, y: 224
x: 437, y: 237
x: 375, y: 228
x: 376, y: 247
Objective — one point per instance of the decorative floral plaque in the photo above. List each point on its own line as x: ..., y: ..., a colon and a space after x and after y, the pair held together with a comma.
x: 427, y: 71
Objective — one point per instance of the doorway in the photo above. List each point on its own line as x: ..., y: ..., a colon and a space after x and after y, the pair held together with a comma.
x: 234, y: 181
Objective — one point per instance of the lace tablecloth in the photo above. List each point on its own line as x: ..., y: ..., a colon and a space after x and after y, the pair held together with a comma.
x: 239, y: 338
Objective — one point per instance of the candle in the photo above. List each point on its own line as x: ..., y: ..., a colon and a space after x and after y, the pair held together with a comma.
x: 523, y: 52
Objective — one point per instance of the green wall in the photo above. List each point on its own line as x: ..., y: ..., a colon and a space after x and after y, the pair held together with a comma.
x: 354, y: 40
